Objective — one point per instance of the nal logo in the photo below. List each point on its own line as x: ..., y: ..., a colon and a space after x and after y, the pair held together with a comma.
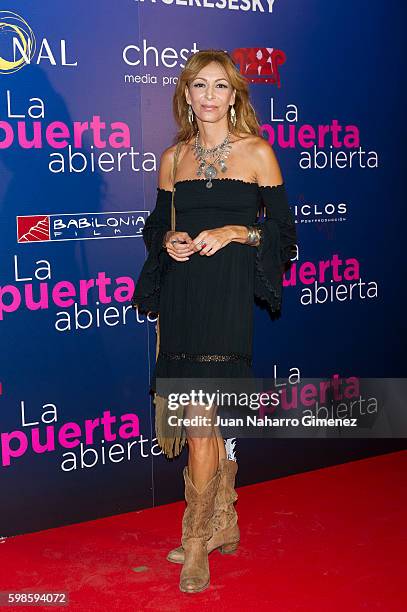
x: 18, y: 45
x: 260, y: 64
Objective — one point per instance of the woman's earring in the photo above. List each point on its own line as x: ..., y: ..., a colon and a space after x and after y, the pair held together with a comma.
x: 190, y: 114
x: 233, y: 115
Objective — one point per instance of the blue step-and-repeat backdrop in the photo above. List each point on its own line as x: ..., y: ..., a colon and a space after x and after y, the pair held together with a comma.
x: 85, y: 113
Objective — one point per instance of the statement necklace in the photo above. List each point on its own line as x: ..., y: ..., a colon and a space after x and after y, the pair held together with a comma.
x: 220, y: 152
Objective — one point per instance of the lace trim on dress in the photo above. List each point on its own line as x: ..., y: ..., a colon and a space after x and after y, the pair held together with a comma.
x: 218, y: 180
x: 146, y: 294
x: 272, y: 294
x: 234, y: 357
x: 278, y: 236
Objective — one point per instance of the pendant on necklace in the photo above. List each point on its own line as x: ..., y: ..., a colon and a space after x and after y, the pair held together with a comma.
x: 210, y: 174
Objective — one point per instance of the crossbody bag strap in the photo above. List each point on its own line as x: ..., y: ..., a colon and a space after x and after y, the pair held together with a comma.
x: 174, y: 171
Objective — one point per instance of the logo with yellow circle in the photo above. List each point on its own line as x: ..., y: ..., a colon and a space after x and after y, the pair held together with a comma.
x: 17, y: 37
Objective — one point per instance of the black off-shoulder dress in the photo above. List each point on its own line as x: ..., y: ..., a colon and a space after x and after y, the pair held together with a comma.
x: 206, y: 303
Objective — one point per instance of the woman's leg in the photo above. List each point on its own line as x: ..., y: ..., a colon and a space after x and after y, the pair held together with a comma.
x: 203, y: 445
x: 221, y: 443
x: 206, y: 446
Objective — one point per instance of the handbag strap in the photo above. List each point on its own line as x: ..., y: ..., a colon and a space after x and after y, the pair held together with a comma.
x: 174, y: 171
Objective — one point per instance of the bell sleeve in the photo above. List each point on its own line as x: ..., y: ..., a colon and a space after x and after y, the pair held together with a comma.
x: 277, y: 245
x: 147, y: 290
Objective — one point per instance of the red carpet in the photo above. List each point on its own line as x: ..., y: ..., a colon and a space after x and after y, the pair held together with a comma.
x: 328, y: 540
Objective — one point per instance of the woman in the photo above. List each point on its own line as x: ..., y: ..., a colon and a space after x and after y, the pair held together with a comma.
x: 207, y: 272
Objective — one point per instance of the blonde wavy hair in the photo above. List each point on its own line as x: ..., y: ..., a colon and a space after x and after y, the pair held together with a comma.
x: 246, y: 118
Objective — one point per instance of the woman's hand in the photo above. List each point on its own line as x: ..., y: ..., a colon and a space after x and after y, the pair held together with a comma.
x: 179, y: 245
x: 209, y: 241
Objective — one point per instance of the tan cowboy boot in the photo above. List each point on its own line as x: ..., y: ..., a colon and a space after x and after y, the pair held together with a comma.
x: 226, y: 534
x: 196, y: 531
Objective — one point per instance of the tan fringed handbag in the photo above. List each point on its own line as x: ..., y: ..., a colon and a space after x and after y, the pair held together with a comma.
x: 171, y: 439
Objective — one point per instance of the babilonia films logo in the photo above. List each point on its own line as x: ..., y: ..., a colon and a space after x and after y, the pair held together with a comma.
x: 81, y: 226
x: 33, y: 228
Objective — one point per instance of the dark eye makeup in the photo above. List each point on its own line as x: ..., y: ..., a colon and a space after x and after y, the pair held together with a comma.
x: 200, y: 83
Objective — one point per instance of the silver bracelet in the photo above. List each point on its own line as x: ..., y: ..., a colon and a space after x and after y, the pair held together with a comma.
x: 253, y: 235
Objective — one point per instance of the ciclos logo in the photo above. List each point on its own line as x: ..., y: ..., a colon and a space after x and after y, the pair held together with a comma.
x: 18, y: 46
x: 260, y: 64
x: 81, y: 226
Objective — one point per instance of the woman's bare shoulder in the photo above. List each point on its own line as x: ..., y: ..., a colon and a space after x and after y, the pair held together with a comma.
x: 255, y: 154
x: 258, y: 144
x: 266, y: 164
x: 252, y: 144
x: 166, y: 164
x: 165, y: 168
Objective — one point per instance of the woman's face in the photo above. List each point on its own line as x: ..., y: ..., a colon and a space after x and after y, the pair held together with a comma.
x: 210, y: 93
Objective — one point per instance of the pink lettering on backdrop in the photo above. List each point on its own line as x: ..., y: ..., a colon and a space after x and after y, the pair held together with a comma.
x: 59, y: 135
x: 16, y: 443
